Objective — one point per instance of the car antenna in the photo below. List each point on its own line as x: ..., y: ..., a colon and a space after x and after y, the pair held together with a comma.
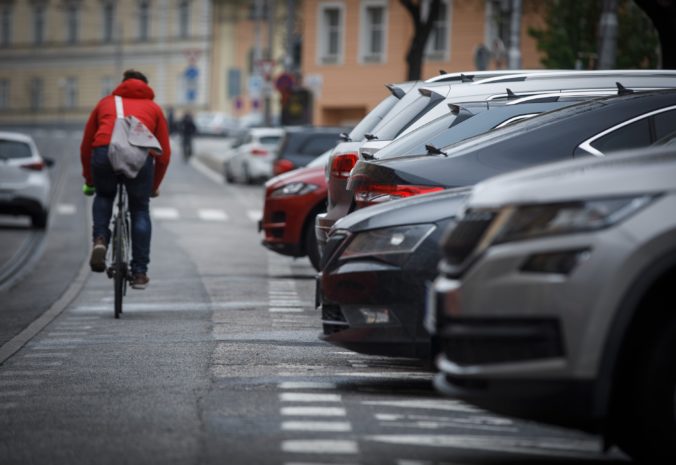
x: 621, y: 90
x: 370, y: 136
x: 432, y: 150
x: 345, y: 137
x: 511, y: 95
x: 465, y: 78
x: 442, y: 72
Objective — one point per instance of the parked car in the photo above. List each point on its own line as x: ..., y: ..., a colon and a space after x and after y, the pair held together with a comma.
x: 588, y: 128
x: 214, y: 124
x: 341, y: 200
x: 292, y: 200
x: 301, y: 145
x: 379, y: 259
x: 555, y: 300
x: 24, y: 182
x: 253, y: 158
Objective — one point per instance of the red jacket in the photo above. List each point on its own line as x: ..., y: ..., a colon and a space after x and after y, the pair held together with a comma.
x: 137, y: 101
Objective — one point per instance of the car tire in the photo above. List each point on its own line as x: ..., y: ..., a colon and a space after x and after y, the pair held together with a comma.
x: 647, y: 412
x: 39, y: 219
x: 311, y: 249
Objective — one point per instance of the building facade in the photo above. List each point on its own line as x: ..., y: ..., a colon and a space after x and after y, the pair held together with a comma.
x: 59, y: 57
x: 352, y: 48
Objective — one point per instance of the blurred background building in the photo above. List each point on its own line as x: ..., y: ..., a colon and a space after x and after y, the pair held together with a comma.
x: 282, y: 61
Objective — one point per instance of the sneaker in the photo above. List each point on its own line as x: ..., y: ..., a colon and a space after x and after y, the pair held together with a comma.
x: 139, y: 281
x: 97, y: 261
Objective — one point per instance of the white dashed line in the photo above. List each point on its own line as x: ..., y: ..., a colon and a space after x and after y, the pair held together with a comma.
x: 66, y: 209
x: 305, y: 385
x: 307, y: 397
x: 212, y: 215
x: 164, y: 213
x: 314, y: 411
x: 320, y: 446
x: 316, y: 426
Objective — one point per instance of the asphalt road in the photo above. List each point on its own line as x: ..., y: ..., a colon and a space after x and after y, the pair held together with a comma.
x: 218, y: 360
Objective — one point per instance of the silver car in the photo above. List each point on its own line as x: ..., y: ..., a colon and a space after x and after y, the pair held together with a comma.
x: 556, y: 299
x: 24, y: 182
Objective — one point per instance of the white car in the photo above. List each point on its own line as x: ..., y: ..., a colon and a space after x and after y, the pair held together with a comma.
x: 556, y: 299
x: 253, y: 159
x: 24, y: 182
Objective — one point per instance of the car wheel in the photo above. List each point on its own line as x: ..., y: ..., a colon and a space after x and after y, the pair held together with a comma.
x: 647, y: 420
x: 39, y: 219
x: 311, y: 249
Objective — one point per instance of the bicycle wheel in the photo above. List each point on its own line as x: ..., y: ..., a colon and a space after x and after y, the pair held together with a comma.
x: 119, y: 265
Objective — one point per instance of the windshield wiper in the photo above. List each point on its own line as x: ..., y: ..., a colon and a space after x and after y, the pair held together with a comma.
x: 370, y: 136
x: 432, y: 150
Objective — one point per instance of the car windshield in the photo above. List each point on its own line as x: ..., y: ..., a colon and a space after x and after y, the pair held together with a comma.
x: 14, y: 149
x: 270, y: 140
x: 372, y: 118
x: 321, y: 160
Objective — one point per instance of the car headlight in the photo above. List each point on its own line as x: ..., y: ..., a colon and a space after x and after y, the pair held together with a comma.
x: 385, y: 241
x: 294, y: 188
x: 528, y: 221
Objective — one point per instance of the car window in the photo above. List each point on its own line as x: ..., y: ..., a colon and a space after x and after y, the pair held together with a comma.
x: 665, y: 123
x: 270, y: 140
x: 372, y: 118
x: 13, y: 149
x: 319, y: 144
x: 636, y: 134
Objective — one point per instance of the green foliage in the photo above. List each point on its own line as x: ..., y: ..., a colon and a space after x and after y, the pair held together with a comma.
x: 570, y: 35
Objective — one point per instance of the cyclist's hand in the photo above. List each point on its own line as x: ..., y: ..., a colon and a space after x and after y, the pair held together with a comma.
x: 88, y: 190
x: 155, y: 193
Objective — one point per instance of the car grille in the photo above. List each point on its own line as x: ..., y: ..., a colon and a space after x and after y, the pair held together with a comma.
x: 464, y: 238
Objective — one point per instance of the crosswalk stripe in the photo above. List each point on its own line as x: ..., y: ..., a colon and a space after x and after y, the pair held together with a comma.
x: 212, y: 215
x: 307, y: 397
x: 164, y: 213
x: 320, y: 446
x: 313, y: 411
x: 254, y: 215
x: 316, y: 426
x: 66, y: 209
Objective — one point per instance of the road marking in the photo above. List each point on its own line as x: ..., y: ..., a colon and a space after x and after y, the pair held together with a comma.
x: 212, y: 215
x: 517, y: 444
x: 388, y: 374
x: 254, y: 215
x: 66, y: 209
x: 308, y: 397
x: 316, y: 426
x: 433, y: 404
x: 305, y: 385
x: 320, y: 446
x: 314, y: 411
x: 164, y: 213
x: 285, y: 310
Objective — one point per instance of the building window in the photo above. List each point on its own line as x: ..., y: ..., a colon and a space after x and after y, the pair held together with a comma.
x: 438, y: 42
x: 72, y: 16
x: 38, y: 24
x: 331, y: 33
x: 5, y: 25
x: 70, y: 93
x: 184, y: 19
x: 35, y: 89
x: 144, y: 20
x: 4, y: 94
x: 108, y: 21
x: 107, y: 86
x: 373, y: 32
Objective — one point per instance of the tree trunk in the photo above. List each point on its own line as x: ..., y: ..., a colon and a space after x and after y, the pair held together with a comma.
x: 663, y: 15
x: 421, y: 31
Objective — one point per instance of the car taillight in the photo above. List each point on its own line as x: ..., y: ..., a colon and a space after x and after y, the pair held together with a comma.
x: 259, y: 152
x: 282, y: 166
x: 370, y: 194
x: 342, y: 164
x: 37, y: 166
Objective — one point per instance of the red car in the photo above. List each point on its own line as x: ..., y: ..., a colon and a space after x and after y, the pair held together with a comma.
x: 292, y: 200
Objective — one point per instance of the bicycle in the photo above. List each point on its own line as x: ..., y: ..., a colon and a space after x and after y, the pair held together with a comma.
x: 119, y: 252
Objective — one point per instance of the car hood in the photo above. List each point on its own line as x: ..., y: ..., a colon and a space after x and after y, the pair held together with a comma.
x: 427, y: 208
x: 314, y: 175
x: 644, y: 171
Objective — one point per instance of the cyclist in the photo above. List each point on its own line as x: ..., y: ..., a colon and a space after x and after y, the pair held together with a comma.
x: 137, y: 97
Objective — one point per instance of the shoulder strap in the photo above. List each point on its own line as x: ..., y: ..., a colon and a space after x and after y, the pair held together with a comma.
x: 119, y: 109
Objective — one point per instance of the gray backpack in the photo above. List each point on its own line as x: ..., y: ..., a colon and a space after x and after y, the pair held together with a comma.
x: 130, y: 143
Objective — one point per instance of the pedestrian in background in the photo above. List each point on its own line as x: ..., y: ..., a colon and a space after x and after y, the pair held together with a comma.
x: 188, y: 130
x: 101, y: 180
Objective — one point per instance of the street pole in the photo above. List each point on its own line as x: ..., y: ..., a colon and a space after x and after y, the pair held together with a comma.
x: 608, y: 35
x: 514, y: 54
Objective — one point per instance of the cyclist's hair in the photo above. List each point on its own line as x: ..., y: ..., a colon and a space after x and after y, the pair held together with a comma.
x: 133, y: 74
